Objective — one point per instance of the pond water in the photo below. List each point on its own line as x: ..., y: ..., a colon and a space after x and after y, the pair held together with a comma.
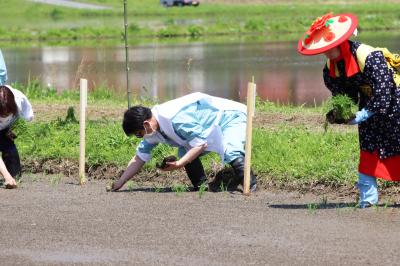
x: 167, y: 71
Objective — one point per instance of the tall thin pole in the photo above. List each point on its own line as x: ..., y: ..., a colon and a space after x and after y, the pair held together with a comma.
x: 128, y: 89
x: 82, y: 123
x: 251, y: 92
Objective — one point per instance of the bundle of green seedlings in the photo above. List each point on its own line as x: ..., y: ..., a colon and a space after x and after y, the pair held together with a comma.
x: 341, y: 109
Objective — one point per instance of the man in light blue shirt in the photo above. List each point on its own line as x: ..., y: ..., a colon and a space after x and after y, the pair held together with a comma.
x: 196, y: 123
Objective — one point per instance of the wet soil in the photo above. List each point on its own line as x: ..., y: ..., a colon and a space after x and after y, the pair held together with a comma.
x: 50, y: 220
x: 48, y: 112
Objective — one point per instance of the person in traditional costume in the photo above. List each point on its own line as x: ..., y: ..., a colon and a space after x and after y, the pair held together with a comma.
x: 196, y: 123
x: 370, y: 76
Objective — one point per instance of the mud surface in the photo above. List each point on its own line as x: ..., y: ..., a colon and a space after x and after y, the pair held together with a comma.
x: 110, y: 113
x: 53, y: 221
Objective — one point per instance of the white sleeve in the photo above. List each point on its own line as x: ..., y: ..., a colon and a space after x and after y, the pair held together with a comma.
x: 24, y: 106
x: 26, y: 109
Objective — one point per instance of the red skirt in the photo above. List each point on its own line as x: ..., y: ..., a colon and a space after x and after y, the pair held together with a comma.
x: 372, y: 165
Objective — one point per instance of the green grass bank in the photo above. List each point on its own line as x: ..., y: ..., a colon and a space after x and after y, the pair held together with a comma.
x: 279, y: 20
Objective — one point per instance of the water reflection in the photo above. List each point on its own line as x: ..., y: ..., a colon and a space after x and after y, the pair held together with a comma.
x: 168, y: 71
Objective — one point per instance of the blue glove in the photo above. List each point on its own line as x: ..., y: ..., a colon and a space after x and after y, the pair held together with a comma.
x: 361, y: 116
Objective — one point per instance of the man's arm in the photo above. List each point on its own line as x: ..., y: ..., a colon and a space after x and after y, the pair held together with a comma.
x: 133, y: 168
x: 192, y: 154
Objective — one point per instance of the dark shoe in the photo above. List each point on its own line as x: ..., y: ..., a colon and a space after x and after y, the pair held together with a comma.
x: 196, y: 174
x: 238, y: 168
x: 364, y: 205
x: 230, y: 179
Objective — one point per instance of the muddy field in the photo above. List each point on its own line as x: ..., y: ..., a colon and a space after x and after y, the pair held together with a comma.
x: 52, y: 221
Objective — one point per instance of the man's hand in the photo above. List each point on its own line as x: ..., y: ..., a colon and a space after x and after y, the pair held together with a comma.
x: 171, y: 166
x: 164, y: 162
x: 133, y: 168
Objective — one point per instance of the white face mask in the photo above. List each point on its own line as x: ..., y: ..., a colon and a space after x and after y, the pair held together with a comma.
x: 153, y: 137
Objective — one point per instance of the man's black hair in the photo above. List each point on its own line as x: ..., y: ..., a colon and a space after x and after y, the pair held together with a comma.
x: 134, y: 118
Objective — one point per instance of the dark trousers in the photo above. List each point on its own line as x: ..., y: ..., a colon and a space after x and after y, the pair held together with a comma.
x: 9, y: 153
x: 195, y: 172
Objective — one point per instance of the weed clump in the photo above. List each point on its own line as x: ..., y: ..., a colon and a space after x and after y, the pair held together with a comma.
x: 341, y: 109
x: 69, y: 118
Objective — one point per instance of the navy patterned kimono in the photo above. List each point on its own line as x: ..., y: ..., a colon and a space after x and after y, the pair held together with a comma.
x: 375, y: 90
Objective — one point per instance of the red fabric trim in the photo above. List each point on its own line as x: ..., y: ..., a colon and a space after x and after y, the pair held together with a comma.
x: 332, y: 63
x: 372, y: 165
x: 350, y: 63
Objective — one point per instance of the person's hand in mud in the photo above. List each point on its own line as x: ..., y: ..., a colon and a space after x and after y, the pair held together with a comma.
x: 10, y: 182
x: 110, y: 187
x: 133, y: 168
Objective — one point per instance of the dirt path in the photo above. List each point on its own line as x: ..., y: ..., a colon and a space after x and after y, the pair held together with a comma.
x: 60, y: 223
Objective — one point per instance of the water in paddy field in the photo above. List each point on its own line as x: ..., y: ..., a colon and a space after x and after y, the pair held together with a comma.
x: 167, y: 71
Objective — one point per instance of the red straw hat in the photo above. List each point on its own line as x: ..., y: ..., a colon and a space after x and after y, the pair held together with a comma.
x: 327, y: 32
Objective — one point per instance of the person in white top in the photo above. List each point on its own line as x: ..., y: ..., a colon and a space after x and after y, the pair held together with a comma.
x: 13, y: 104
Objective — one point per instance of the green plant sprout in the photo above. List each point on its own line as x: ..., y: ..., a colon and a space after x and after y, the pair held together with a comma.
x: 312, y: 208
x: 202, y: 189
x: 179, y: 188
x: 158, y: 189
x: 54, y: 179
x: 222, y: 187
x: 130, y: 185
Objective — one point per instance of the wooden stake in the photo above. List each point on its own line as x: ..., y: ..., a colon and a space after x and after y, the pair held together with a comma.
x: 251, y: 94
x: 82, y: 123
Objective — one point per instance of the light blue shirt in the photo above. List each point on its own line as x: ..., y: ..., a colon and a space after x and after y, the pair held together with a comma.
x: 3, y: 70
x: 190, y: 124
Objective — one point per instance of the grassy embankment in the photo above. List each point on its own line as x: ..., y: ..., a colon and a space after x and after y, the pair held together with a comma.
x: 285, y: 155
x: 28, y: 21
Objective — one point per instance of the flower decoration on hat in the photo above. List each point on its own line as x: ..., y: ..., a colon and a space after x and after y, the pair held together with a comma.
x: 320, y: 29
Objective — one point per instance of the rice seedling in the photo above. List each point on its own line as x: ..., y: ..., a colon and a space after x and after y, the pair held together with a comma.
x: 179, y: 188
x: 54, y: 179
x: 202, y: 189
x: 130, y: 185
